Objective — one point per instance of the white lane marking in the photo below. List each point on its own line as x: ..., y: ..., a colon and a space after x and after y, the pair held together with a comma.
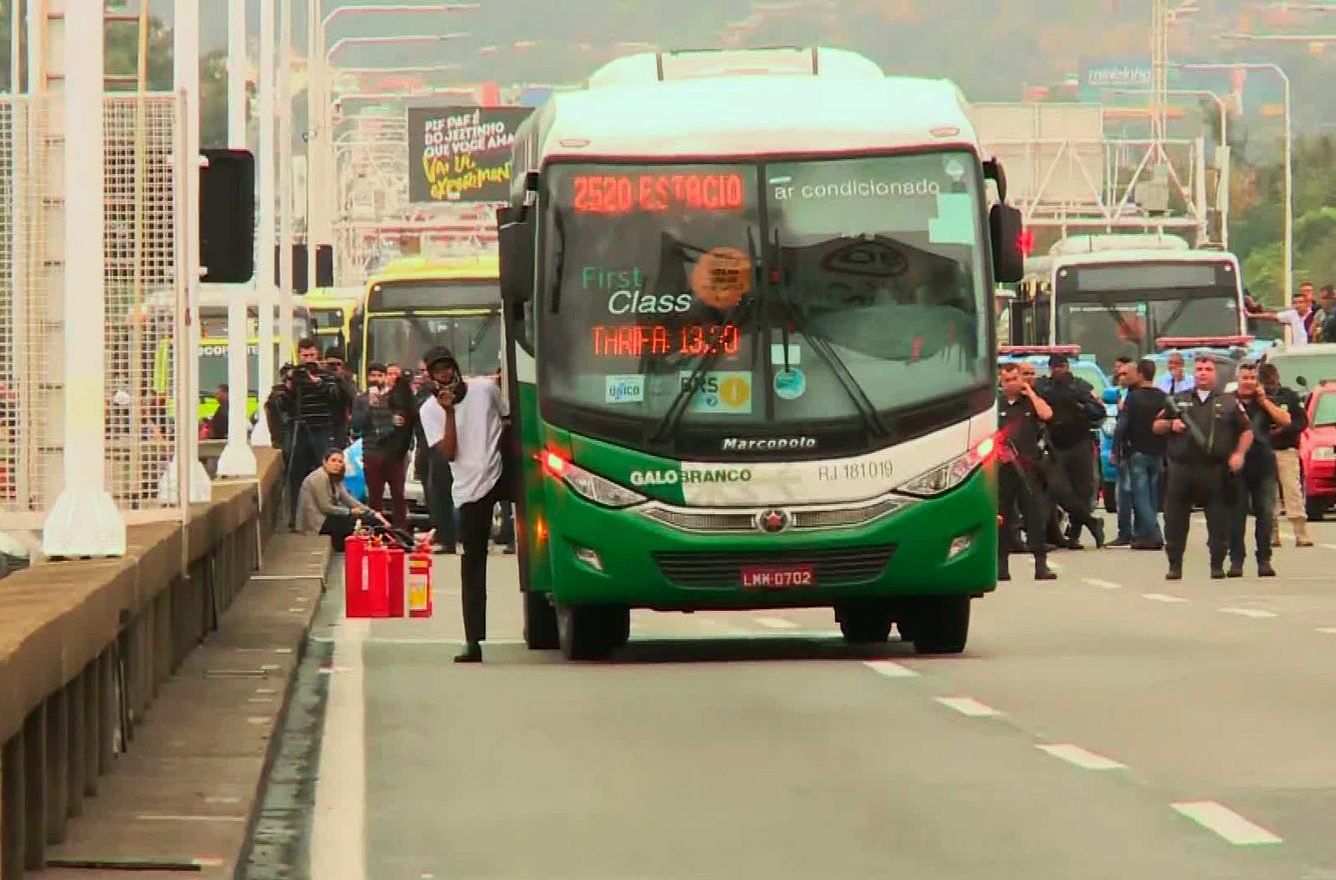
x: 1083, y: 758
x: 1328, y: 546
x: 1249, y: 612
x: 1328, y: 630
x: 338, y: 835
x: 968, y: 706
x: 1164, y: 597
x: 1225, y: 822
x: 180, y: 817
x: 1103, y: 585
x: 776, y: 623
x: 890, y: 669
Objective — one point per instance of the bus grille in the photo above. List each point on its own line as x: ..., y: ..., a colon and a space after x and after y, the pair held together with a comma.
x: 833, y: 566
x: 735, y: 521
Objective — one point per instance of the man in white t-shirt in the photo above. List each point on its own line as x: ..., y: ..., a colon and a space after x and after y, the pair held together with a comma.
x: 1299, y: 318
x: 462, y: 422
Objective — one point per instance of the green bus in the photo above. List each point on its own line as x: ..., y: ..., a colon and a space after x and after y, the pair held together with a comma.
x: 750, y: 347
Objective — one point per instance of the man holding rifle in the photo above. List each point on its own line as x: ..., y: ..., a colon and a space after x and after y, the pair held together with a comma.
x: 1209, y: 435
x: 1020, y: 417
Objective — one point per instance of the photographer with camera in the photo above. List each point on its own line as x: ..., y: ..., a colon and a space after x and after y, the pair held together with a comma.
x: 306, y: 403
x: 384, y: 417
x: 463, y: 423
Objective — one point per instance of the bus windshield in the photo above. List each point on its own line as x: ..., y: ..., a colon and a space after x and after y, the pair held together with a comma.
x: 405, y: 318
x: 731, y: 299
x: 1121, y: 309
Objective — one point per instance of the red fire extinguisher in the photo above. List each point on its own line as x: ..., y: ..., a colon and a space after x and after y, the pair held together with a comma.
x: 354, y: 573
x: 377, y: 579
x: 396, y: 580
x: 419, y: 581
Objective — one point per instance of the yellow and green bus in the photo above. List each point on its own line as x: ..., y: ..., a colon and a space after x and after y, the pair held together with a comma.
x: 417, y: 302
x: 213, y: 354
x: 331, y: 310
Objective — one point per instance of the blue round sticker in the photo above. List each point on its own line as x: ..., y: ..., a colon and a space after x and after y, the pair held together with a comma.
x: 790, y: 384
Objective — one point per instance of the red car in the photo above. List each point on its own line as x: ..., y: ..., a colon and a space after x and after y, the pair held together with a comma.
x: 1317, y: 451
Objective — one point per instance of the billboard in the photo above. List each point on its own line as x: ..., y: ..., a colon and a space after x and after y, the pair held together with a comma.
x: 461, y: 154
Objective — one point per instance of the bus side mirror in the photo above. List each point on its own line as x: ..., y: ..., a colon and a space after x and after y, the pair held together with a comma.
x: 993, y: 170
x: 516, y: 251
x: 1006, y: 228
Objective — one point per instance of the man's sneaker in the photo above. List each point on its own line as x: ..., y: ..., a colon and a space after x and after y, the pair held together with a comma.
x: 471, y: 654
x: 1175, y: 573
x: 1236, y: 570
x: 1217, y: 572
x: 1122, y: 541
x: 1265, y: 570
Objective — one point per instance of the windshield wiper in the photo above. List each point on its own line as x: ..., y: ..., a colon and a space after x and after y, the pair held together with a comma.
x: 1173, y: 319
x: 486, y: 325
x: 559, y: 266
x: 821, y: 344
x: 668, y: 424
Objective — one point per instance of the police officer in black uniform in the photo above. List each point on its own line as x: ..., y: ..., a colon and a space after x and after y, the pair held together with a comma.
x: 1071, y: 471
x: 1209, y: 435
x: 1020, y: 414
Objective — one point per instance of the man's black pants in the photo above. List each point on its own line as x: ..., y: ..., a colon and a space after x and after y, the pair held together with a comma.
x: 1077, y: 466
x: 475, y: 532
x: 1017, y: 492
x: 1209, y: 485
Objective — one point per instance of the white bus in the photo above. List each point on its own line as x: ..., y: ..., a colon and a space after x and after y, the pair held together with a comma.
x: 1117, y: 294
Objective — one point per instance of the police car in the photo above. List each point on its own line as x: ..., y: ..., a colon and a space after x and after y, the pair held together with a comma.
x: 1227, y: 352
x: 1083, y: 367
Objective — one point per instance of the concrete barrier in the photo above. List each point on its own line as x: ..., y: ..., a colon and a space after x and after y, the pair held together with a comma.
x: 86, y: 645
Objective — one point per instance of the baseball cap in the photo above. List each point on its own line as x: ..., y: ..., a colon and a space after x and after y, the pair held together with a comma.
x: 1057, y: 359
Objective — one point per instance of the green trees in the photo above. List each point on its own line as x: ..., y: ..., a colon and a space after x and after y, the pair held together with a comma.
x: 122, y: 58
x: 1257, y: 219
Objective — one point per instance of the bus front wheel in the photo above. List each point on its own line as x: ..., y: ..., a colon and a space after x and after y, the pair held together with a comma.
x: 939, y: 625
x: 540, y: 622
x: 592, y: 632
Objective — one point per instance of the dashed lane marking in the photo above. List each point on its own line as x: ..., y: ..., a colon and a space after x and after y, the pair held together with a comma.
x: 1102, y: 584
x: 1225, y: 822
x: 1327, y: 630
x: 968, y: 706
x: 890, y: 669
x: 776, y: 623
x: 1164, y: 597
x: 1083, y: 758
x: 1328, y: 546
x: 1249, y: 612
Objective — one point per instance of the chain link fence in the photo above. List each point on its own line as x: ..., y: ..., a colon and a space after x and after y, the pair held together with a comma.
x: 143, y: 321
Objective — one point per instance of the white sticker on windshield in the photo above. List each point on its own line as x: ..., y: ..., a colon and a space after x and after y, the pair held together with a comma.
x: 624, y: 389
x: 955, y: 222
x: 785, y: 355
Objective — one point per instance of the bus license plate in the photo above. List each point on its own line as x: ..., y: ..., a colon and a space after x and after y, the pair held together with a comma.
x: 777, y: 577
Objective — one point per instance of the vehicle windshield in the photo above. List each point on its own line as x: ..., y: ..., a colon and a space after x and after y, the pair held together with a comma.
x: 1314, y: 368
x: 474, y: 338
x: 1324, y: 413
x: 1120, y: 310
x: 820, y: 294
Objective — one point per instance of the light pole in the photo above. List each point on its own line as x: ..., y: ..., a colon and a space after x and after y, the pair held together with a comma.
x: 285, y: 280
x: 1288, y: 158
x: 237, y: 459
x: 265, y: 243
x: 320, y: 158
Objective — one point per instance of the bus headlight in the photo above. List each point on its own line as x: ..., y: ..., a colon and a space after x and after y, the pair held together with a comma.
x: 949, y: 475
x: 590, y: 486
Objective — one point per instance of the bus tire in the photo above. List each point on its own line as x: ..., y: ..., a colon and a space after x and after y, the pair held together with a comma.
x: 941, y: 625
x: 590, y: 632
x: 540, y: 622
x: 865, y: 623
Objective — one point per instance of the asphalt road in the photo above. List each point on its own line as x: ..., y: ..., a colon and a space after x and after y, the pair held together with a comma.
x: 1107, y: 724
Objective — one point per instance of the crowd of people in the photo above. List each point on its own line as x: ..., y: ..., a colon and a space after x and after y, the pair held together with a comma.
x: 1180, y: 442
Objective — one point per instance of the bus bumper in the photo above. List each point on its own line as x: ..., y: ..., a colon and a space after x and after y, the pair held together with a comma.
x: 933, y: 547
